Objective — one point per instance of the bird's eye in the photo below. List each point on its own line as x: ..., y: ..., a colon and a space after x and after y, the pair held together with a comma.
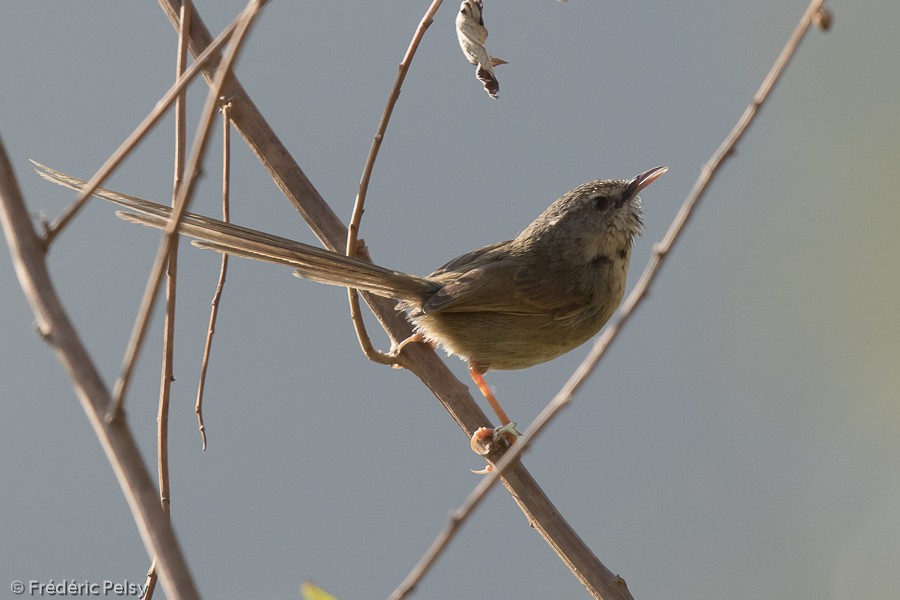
x: 601, y: 202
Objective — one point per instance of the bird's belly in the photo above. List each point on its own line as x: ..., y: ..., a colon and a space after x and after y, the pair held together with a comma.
x: 505, y: 341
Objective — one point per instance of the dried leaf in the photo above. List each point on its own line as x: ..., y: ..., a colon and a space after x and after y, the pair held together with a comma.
x: 472, y: 34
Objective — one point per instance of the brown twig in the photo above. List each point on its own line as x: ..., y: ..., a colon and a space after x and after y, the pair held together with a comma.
x: 28, y: 255
x: 168, y: 375
x: 209, y: 56
x: 185, y: 191
x: 358, y: 207
x: 639, y: 293
x: 223, y: 271
x: 168, y: 363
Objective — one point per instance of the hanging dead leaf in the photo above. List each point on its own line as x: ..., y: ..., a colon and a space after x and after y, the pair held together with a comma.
x: 472, y: 34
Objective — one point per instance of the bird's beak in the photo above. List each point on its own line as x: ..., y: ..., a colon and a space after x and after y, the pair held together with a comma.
x: 643, y: 180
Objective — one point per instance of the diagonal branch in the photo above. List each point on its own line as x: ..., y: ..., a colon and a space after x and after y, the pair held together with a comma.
x: 28, y: 254
x: 638, y: 294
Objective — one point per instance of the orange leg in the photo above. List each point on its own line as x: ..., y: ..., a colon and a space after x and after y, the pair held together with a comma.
x: 478, y: 378
x: 483, y: 438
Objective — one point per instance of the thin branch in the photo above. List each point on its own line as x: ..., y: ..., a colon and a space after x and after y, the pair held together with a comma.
x: 185, y: 191
x: 639, y: 293
x: 209, y: 56
x: 28, y: 255
x: 353, y: 230
x: 168, y: 368
x: 223, y: 271
x: 168, y: 375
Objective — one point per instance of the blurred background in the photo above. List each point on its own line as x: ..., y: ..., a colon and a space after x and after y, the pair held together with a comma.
x: 740, y: 440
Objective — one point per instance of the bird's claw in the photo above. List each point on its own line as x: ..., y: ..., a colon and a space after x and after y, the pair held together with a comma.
x: 486, y: 439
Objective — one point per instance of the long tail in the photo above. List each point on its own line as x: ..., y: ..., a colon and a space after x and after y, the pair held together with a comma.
x: 308, y: 261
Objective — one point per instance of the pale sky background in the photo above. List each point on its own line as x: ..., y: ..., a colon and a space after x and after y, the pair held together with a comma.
x: 741, y: 439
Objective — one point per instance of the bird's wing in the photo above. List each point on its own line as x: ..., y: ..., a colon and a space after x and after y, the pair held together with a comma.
x: 467, y: 260
x: 503, y: 285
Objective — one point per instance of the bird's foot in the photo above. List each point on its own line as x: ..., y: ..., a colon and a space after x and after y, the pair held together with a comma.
x: 416, y: 338
x: 486, y: 439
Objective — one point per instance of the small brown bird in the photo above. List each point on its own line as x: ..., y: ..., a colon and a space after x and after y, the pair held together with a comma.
x: 509, y: 305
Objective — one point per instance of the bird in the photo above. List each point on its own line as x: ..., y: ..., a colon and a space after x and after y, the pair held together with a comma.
x: 506, y: 306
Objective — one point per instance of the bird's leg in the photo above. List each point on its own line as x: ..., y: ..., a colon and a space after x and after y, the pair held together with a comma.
x: 484, y: 435
x: 478, y: 378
